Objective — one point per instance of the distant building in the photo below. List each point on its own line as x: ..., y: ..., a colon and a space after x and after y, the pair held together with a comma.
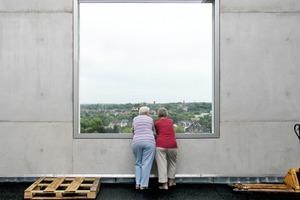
x: 196, y: 128
x: 124, y: 122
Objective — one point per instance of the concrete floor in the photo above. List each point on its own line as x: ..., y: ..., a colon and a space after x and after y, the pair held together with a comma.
x: 182, y: 191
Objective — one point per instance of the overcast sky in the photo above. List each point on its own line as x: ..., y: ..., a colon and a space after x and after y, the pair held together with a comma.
x: 145, y: 52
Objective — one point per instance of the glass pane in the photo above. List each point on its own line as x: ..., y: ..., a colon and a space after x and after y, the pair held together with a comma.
x: 153, y: 54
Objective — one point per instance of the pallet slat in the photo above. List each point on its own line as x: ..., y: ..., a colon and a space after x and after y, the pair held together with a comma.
x: 96, y: 186
x: 27, y: 193
x: 74, y: 185
x: 94, y: 189
x: 63, y: 188
x: 54, y: 185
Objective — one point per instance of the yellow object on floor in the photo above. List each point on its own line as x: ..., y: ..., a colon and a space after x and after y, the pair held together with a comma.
x: 289, y: 185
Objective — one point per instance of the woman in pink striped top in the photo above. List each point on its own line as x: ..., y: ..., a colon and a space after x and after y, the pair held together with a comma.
x: 143, y: 147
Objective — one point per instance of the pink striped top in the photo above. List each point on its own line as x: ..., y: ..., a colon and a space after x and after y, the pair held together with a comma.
x: 143, y: 129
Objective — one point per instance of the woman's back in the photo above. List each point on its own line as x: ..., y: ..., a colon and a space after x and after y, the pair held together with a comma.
x: 165, y: 133
x: 143, y: 129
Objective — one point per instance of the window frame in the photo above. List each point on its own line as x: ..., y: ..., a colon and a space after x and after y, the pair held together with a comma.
x: 215, y: 65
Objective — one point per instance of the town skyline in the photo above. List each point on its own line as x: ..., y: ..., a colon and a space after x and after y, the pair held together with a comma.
x: 117, y: 118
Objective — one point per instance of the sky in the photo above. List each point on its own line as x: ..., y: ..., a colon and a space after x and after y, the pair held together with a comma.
x: 145, y: 52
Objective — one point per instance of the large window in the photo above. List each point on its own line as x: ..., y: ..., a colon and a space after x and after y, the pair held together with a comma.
x: 134, y: 53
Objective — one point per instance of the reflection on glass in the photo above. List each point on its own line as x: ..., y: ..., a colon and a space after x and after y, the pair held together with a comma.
x: 132, y: 54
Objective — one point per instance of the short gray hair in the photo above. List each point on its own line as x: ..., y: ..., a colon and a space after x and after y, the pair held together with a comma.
x: 162, y: 112
x: 144, y: 110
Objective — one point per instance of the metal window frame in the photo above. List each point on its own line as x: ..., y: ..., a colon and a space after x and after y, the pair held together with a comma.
x: 216, y: 70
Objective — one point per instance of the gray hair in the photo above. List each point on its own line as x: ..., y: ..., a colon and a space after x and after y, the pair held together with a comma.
x: 144, y: 110
x: 162, y: 112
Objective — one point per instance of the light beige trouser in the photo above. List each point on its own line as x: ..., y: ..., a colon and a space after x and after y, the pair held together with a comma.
x: 166, y: 163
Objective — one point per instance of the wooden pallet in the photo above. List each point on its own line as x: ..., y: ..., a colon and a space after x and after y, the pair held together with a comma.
x: 63, y: 188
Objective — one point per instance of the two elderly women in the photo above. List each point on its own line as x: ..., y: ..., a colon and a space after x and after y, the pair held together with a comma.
x: 145, y: 147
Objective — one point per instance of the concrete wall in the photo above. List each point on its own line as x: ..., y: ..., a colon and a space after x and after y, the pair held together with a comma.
x: 259, y: 95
